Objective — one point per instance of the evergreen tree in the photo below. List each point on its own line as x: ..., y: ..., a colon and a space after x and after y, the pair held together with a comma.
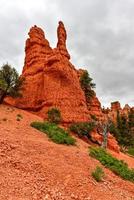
x: 87, y: 85
x: 10, y: 83
x: 131, y: 119
x: 123, y: 130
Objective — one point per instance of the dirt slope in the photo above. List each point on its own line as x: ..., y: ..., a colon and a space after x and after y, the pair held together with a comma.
x: 34, y: 168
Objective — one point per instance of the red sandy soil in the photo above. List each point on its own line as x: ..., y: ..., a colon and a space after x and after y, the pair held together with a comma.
x: 34, y: 168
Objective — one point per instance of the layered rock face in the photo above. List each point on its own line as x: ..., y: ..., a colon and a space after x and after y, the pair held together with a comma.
x: 116, y: 107
x: 94, y: 107
x: 50, y: 79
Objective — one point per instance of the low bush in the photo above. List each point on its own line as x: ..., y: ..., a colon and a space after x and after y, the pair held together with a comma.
x: 82, y: 128
x: 98, y: 174
x: 119, y: 167
x: 130, y: 151
x: 54, y: 115
x: 19, y: 116
x: 55, y: 133
x: 87, y: 85
x: 93, y: 117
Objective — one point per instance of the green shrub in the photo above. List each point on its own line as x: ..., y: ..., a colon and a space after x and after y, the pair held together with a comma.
x: 82, y: 128
x: 55, y: 133
x: 131, y: 151
x: 87, y: 85
x: 93, y: 117
x: 10, y: 82
x: 98, y: 174
x: 54, y: 115
x: 119, y: 167
x: 19, y: 116
x: 123, y: 129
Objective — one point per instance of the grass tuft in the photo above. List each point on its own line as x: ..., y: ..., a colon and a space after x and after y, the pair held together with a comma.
x: 131, y: 151
x: 98, y: 174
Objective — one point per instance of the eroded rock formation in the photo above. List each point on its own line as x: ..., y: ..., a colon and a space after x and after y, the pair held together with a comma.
x: 50, y: 79
x: 116, y: 107
x: 94, y: 106
x: 62, y: 37
x: 112, y: 144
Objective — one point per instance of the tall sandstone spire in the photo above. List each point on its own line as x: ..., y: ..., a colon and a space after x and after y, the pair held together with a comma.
x: 50, y: 79
x: 62, y: 37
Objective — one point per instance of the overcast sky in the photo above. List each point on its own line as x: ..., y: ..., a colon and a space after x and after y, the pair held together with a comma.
x: 100, y: 39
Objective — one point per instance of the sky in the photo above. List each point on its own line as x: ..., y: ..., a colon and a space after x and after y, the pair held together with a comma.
x: 100, y: 39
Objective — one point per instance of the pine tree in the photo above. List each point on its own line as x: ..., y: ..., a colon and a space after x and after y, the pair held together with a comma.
x: 10, y: 83
x: 87, y: 85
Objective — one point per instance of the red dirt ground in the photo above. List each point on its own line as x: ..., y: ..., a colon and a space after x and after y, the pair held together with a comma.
x: 34, y: 168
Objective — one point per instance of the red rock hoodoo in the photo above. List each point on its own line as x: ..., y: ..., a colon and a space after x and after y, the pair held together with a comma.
x: 50, y: 78
x: 116, y: 107
x: 52, y: 81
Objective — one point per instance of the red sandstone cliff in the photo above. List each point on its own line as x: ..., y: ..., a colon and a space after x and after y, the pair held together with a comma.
x: 52, y: 81
x: 50, y: 78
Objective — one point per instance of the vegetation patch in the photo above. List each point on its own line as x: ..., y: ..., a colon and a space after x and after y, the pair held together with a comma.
x: 98, y: 174
x: 10, y: 82
x: 130, y: 151
x: 55, y: 133
x: 87, y: 85
x: 93, y: 117
x: 119, y: 167
x: 123, y: 130
x: 54, y: 115
x: 19, y: 117
x: 82, y: 128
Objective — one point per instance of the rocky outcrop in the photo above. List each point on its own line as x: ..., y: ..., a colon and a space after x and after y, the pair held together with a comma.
x: 94, y: 107
x: 126, y: 110
x: 116, y: 107
x: 50, y: 79
x: 112, y: 144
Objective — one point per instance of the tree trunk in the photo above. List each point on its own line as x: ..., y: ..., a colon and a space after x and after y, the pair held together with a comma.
x: 2, y: 96
x: 105, y: 136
